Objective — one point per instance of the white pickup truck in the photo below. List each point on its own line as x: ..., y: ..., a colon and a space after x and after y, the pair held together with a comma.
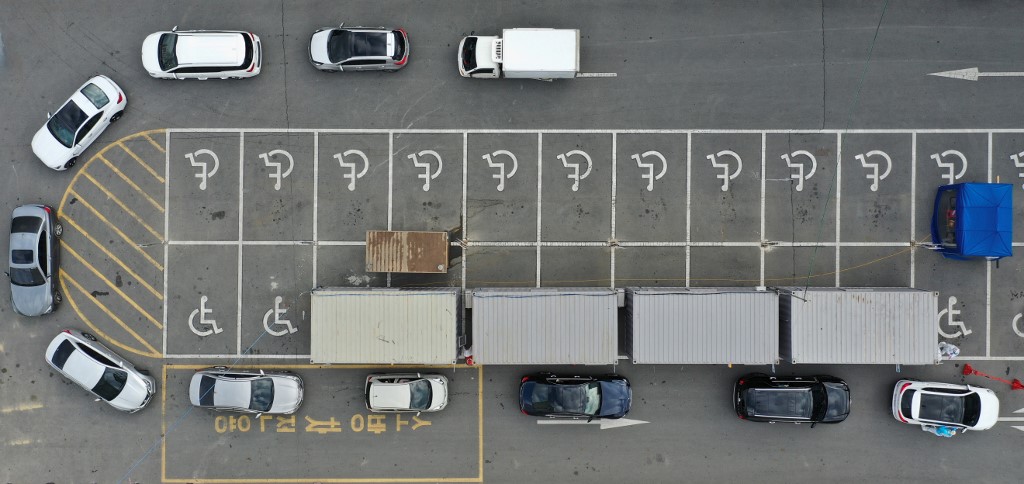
x: 522, y: 54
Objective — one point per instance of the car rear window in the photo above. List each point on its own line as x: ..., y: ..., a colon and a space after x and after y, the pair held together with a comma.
x: 249, y: 51
x: 166, y: 54
x: 62, y: 354
x: 66, y: 122
x: 206, y: 385
x: 22, y: 256
x: 778, y: 402
x: 26, y: 277
x: 95, y: 95
x: 26, y: 224
x: 262, y: 394
x: 110, y: 384
x: 907, y: 403
x: 399, y: 45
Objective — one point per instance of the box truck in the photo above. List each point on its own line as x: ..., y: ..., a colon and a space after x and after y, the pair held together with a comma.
x: 522, y: 54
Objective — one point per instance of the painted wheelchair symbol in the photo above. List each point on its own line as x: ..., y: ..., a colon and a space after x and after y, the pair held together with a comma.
x: 202, y: 311
x: 951, y: 316
x: 277, y: 312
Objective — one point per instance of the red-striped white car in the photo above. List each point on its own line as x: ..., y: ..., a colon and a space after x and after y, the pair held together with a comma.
x: 944, y: 404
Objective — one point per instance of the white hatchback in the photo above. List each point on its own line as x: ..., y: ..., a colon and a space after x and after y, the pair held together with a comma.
x: 79, y: 122
x: 944, y: 404
x: 406, y: 392
x: 91, y: 365
x: 202, y: 54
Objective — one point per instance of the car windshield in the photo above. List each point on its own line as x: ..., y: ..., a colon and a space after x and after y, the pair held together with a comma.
x: 419, y: 395
x: 262, y: 394
x: 166, y: 54
x: 27, y: 277
x: 26, y: 224
x: 568, y: 399
x: 110, y: 384
x: 469, y: 54
x: 972, y: 409
x: 942, y: 408
x: 782, y: 402
x: 344, y: 44
x: 95, y: 95
x: 66, y: 122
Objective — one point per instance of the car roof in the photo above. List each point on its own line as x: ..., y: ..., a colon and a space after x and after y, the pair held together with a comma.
x: 82, y: 368
x: 231, y: 393
x: 210, y: 48
x: 390, y: 395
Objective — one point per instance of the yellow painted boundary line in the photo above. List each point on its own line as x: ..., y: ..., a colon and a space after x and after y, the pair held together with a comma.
x: 152, y: 141
x: 143, y: 163
x: 96, y: 329
x: 124, y: 266
x: 112, y: 286
x: 311, y: 480
x: 123, y: 206
x: 131, y: 183
x: 113, y: 227
x: 110, y: 313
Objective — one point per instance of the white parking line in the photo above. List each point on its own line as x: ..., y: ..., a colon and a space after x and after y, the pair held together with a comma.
x: 988, y: 273
x: 764, y: 178
x: 247, y: 356
x: 391, y: 189
x: 598, y: 131
x: 241, y: 237
x: 689, y: 149
x: 540, y: 176
x: 316, y: 198
x: 839, y: 198
x: 913, y: 207
x: 167, y: 215
x: 464, y: 231
x: 615, y: 172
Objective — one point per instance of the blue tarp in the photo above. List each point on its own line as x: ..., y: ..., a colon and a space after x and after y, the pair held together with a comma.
x: 974, y: 220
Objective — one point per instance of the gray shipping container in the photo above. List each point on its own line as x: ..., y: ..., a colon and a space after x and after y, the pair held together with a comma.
x: 544, y: 326
x: 385, y: 326
x: 860, y: 325
x: 682, y: 326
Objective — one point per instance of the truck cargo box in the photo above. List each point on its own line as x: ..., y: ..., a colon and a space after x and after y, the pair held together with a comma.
x: 539, y: 53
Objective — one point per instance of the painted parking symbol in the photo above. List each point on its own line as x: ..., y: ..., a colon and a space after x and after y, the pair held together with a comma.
x: 350, y: 167
x: 801, y: 172
x: 574, y: 167
x: 649, y: 166
x: 874, y: 173
x: 503, y: 172
x: 951, y: 316
x: 720, y: 160
x: 1015, y: 324
x: 1019, y: 163
x: 205, y: 171
x: 419, y: 160
x: 941, y: 160
x: 202, y: 311
x: 277, y: 172
x: 278, y: 312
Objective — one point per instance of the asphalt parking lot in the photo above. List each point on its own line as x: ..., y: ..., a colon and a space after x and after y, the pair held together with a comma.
x: 741, y: 144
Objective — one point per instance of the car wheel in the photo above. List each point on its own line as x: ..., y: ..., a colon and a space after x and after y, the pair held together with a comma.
x: 57, y: 297
x: 116, y: 116
x: 89, y: 336
x: 58, y: 230
x: 70, y: 163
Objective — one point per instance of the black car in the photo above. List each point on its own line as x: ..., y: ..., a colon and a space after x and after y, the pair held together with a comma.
x: 762, y: 398
x: 589, y: 397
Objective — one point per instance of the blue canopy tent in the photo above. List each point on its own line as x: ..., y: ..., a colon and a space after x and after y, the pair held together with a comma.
x: 973, y: 220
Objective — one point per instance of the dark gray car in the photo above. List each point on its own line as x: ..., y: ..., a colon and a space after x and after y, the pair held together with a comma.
x: 34, y: 259
x: 359, y: 49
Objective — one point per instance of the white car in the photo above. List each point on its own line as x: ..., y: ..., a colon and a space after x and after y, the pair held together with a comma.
x: 79, y: 122
x: 85, y: 361
x: 202, y: 54
x: 406, y: 392
x: 930, y: 403
x: 259, y: 392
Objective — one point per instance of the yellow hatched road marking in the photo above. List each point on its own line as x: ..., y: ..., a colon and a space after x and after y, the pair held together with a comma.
x: 105, y: 251
x: 153, y: 142
x: 123, y: 206
x: 143, y: 163
x: 65, y: 277
x: 112, y: 286
x: 130, y: 182
x: 21, y: 407
x: 113, y: 227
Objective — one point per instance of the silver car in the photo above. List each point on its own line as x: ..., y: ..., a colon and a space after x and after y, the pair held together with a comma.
x: 359, y: 49
x: 90, y: 364
x: 406, y: 392
x: 34, y: 259
x: 259, y: 392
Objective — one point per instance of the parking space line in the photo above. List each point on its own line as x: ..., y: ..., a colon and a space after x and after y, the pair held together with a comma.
x: 839, y: 198
x: 139, y: 160
x: 615, y: 181
x: 113, y: 227
x: 153, y: 352
x: 391, y: 190
x: 167, y: 203
x: 22, y: 407
x: 988, y: 273
x: 764, y: 177
x: 112, y: 286
x: 154, y: 143
x: 540, y: 176
x: 241, y: 237
x: 233, y: 356
x: 598, y: 131
x: 316, y: 198
x: 130, y: 183
x: 127, y: 269
x: 121, y: 204
x: 689, y: 171
x: 913, y: 205
x: 464, y: 232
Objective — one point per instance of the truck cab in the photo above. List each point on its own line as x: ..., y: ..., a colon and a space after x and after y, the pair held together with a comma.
x: 476, y: 57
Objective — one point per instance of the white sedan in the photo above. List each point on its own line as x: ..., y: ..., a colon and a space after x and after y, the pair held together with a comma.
x: 406, y: 392
x: 248, y: 391
x: 79, y: 122
x: 944, y: 404
x: 91, y: 365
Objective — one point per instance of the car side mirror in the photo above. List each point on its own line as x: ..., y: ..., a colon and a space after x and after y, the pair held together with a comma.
x: 591, y: 419
x: 418, y: 414
x: 261, y: 372
x: 341, y: 25
x: 96, y: 400
x: 813, y: 424
x: 258, y: 415
x: 48, y: 115
x: 8, y: 274
x: 174, y: 29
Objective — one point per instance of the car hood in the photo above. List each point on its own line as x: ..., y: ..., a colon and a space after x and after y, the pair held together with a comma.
x: 134, y: 394
x: 616, y: 398
x: 150, y: 48
x: 32, y: 300
x: 989, y: 409
x: 287, y: 395
x: 49, y: 150
x: 318, y: 47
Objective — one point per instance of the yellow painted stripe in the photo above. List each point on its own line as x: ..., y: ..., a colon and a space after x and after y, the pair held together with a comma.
x: 21, y: 407
x: 110, y: 313
x: 124, y: 266
x: 112, y: 286
x: 143, y: 163
x: 93, y: 327
x: 153, y: 142
x: 131, y: 183
x: 124, y: 207
x: 113, y: 227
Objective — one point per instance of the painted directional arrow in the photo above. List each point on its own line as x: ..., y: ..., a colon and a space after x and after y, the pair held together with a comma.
x: 972, y: 74
x: 605, y: 423
x: 1014, y: 419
